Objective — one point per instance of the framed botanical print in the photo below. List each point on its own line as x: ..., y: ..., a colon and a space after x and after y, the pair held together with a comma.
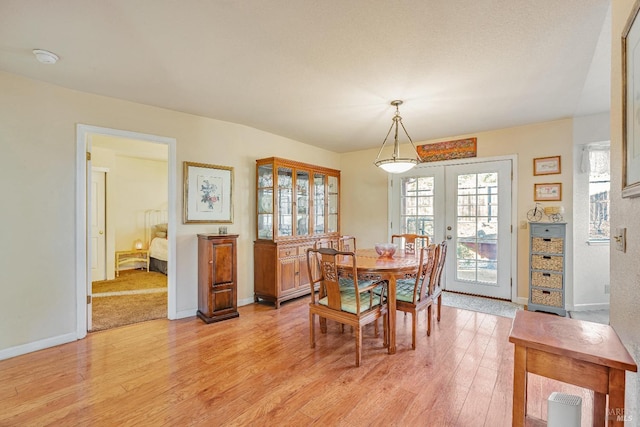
x: 208, y: 196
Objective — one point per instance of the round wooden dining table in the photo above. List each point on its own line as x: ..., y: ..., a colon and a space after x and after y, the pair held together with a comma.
x: 372, y: 266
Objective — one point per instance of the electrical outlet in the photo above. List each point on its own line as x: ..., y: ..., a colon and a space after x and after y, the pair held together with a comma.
x: 523, y: 225
x: 620, y: 239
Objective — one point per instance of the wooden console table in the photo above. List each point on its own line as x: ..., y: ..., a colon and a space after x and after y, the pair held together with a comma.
x: 585, y: 354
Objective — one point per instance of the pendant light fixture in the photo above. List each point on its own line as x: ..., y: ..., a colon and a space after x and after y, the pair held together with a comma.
x: 397, y: 164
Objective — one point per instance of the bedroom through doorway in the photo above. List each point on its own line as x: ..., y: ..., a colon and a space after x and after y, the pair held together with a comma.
x: 134, y: 288
x: 129, y: 273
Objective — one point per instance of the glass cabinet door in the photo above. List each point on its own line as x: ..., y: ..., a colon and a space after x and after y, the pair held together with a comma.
x: 285, y: 201
x: 332, y: 193
x: 302, y: 203
x: 296, y: 201
x: 265, y: 202
x: 319, y: 226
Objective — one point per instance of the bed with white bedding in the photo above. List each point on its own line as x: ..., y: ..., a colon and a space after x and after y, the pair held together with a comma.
x: 156, y: 229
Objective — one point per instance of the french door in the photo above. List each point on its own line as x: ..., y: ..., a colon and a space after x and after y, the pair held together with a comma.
x: 469, y: 206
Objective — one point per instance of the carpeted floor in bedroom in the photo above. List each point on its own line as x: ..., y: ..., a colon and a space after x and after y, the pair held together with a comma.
x: 135, y: 296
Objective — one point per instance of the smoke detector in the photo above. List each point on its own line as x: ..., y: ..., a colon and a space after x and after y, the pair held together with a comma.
x: 45, y: 56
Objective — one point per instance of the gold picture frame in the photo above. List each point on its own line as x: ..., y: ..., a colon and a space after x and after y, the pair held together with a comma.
x: 547, y: 192
x: 547, y: 165
x: 208, y: 193
x: 631, y: 105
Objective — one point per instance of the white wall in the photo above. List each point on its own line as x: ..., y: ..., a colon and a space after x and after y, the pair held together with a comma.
x: 140, y: 185
x: 625, y: 266
x: 37, y: 182
x: 591, y: 261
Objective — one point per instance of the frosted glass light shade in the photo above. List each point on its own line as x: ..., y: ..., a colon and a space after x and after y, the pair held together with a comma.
x: 396, y: 165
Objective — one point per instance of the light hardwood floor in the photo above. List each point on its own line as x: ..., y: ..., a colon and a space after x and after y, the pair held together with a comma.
x: 259, y: 370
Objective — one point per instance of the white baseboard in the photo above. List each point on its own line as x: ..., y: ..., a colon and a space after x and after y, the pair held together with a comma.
x: 246, y: 301
x: 192, y: 312
x: 522, y: 301
x: 186, y: 313
x: 19, y: 350
x: 585, y: 307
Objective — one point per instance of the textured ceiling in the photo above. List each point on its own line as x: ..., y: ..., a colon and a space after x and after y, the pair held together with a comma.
x: 324, y: 72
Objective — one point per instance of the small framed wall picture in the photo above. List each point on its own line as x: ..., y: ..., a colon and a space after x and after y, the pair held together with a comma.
x: 547, y: 192
x: 547, y: 165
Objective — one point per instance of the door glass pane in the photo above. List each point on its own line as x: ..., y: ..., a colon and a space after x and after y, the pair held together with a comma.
x: 318, y: 203
x: 417, y: 206
x: 333, y: 205
x: 285, y: 198
x: 302, y: 203
x: 477, y: 227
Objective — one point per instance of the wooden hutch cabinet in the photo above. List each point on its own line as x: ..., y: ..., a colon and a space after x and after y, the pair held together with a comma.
x: 217, y: 277
x: 296, y: 205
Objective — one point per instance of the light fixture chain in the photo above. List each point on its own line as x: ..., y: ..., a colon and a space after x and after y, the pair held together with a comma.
x: 385, y: 140
x: 411, y: 141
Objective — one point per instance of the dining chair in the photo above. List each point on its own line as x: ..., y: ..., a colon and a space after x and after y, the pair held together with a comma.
x: 435, y: 288
x: 342, y: 297
x: 347, y: 244
x: 414, y: 294
x: 409, y: 241
x: 325, y: 243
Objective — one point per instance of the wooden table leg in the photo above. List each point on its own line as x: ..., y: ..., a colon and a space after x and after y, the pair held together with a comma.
x: 615, y: 414
x: 391, y: 303
x: 599, y: 408
x: 519, y: 386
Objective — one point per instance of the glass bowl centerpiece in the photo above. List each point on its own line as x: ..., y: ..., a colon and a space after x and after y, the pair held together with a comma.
x: 386, y: 250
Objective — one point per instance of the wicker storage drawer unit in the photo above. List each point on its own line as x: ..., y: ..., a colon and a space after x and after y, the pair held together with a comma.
x: 552, y: 298
x: 546, y: 267
x: 546, y: 280
x: 547, y: 245
x: 547, y: 262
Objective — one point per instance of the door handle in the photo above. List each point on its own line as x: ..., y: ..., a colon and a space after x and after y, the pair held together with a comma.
x: 100, y: 232
x: 449, y: 237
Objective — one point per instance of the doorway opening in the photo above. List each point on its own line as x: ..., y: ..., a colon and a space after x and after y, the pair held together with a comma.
x: 133, y: 163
